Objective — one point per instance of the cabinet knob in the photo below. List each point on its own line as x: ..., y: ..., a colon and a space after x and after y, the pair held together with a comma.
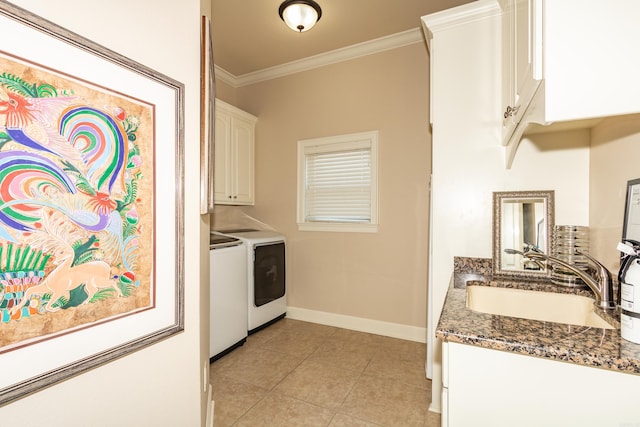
x: 511, y: 111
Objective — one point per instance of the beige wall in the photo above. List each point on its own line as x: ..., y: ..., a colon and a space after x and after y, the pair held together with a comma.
x: 615, y: 159
x: 225, y: 92
x: 379, y: 276
x: 161, y: 385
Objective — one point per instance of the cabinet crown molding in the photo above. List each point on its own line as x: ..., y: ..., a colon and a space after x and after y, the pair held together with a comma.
x: 460, y: 15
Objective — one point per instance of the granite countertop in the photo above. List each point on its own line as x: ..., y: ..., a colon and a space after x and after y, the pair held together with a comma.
x: 589, y: 346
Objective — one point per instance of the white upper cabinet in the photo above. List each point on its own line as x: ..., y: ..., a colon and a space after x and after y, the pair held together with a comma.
x: 522, y: 58
x: 234, y: 155
x: 566, y: 61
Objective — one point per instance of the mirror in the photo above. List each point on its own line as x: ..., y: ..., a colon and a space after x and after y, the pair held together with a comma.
x: 522, y: 220
x: 631, y: 224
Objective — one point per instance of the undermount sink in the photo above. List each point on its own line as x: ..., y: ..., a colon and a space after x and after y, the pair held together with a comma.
x: 535, y: 305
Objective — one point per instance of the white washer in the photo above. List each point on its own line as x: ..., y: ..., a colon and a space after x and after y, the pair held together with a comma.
x: 228, y: 303
x: 266, y: 276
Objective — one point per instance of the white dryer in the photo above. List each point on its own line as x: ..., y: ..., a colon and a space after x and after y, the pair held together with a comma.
x: 266, y: 276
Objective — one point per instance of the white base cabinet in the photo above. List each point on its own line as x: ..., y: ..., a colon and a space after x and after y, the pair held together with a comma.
x: 234, y: 155
x: 484, y: 387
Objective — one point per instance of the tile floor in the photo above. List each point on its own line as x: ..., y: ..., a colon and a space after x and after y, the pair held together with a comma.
x: 296, y: 373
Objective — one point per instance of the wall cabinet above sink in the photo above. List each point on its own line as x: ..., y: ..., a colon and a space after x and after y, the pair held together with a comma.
x: 566, y: 61
x: 522, y: 59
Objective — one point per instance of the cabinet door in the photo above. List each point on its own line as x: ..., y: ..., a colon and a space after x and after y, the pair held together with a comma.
x: 222, y: 158
x: 502, y: 389
x: 522, y: 66
x: 508, y: 69
x: 243, y: 140
x: 591, y: 70
x: 528, y: 49
x: 233, y: 155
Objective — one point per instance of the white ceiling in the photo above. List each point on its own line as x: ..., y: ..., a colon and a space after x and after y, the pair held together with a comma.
x: 249, y: 36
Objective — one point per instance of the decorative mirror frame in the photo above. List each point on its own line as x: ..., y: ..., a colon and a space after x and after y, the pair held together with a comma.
x: 498, y: 198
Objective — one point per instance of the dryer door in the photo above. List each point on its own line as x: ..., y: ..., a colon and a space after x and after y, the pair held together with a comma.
x: 269, y: 272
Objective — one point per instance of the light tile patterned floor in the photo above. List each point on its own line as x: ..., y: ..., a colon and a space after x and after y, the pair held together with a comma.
x: 297, y: 373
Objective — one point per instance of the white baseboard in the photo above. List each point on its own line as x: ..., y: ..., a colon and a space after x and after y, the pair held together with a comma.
x: 395, y: 330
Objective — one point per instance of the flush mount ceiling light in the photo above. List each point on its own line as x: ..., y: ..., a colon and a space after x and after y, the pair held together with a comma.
x: 300, y: 15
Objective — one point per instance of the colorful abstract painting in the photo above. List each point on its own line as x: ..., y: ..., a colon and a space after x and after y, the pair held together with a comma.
x: 76, y: 204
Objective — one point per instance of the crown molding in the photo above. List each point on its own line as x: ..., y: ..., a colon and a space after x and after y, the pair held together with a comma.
x: 225, y: 76
x: 460, y: 15
x: 381, y: 44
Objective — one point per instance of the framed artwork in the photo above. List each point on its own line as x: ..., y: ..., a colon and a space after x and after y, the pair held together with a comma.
x: 631, y: 225
x: 207, y: 118
x: 91, y: 204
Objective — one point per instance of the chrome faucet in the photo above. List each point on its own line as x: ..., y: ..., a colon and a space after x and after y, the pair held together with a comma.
x: 601, y: 284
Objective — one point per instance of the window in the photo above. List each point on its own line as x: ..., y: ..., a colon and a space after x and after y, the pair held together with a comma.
x: 338, y: 183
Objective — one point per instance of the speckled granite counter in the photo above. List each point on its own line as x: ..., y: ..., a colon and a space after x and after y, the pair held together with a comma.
x: 588, y: 346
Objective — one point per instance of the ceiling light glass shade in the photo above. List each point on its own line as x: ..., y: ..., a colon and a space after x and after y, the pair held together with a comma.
x: 300, y: 15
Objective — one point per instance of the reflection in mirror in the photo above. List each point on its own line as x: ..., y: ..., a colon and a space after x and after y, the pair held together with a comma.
x: 522, y: 221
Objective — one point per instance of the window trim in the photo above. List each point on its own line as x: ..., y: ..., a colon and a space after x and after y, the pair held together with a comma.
x: 361, y: 139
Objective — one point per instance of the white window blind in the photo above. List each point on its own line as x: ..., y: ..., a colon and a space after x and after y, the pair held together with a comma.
x: 337, y: 183
x: 338, y: 186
